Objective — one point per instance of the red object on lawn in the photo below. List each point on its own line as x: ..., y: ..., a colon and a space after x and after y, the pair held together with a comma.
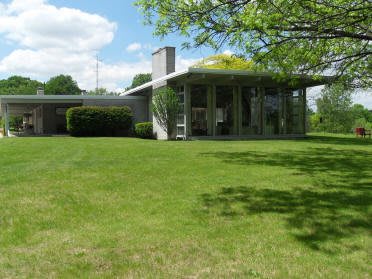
x: 362, y: 132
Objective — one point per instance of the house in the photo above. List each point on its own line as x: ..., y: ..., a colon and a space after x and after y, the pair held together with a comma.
x: 228, y: 103
x: 214, y: 103
x: 46, y: 114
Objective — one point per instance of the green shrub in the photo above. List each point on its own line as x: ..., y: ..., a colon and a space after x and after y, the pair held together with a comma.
x: 99, y: 121
x: 144, y: 130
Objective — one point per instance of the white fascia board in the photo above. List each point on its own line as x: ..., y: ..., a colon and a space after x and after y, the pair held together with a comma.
x: 60, y: 98
x: 154, y: 82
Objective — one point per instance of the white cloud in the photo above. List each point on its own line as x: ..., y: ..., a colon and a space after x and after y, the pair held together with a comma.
x: 228, y: 52
x: 49, y: 41
x: 2, y: 9
x: 134, y: 47
x: 183, y: 63
x: 359, y: 97
x: 38, y: 25
x: 54, y: 41
x: 364, y: 98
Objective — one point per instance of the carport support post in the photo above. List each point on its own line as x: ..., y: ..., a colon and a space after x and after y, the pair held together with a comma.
x: 6, y: 120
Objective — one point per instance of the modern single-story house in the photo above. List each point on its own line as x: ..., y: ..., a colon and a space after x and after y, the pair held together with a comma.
x: 214, y: 103
x: 228, y: 103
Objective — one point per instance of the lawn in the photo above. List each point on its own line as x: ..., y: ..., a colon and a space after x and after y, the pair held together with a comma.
x: 131, y: 208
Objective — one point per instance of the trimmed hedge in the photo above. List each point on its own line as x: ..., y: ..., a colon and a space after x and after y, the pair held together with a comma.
x: 144, y: 130
x: 99, y: 121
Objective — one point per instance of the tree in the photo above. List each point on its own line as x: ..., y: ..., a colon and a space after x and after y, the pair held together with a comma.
x: 289, y: 37
x: 15, y: 122
x: 359, y: 111
x: 165, y: 106
x: 362, y: 116
x: 62, y: 85
x: 225, y: 61
x: 17, y: 85
x: 140, y: 79
x: 334, y: 109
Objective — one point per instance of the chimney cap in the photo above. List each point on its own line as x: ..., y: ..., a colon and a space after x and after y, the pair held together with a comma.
x: 162, y: 48
x: 40, y: 90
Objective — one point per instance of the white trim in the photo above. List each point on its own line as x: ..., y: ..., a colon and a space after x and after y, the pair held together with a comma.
x: 64, y: 97
x: 6, y: 120
x: 153, y: 82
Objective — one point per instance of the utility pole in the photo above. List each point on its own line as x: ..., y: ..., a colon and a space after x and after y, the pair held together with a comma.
x: 97, y: 72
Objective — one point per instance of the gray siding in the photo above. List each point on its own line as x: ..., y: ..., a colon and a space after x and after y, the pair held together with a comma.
x: 139, y: 107
x: 53, y: 123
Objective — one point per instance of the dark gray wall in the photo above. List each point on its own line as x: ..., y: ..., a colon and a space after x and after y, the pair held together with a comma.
x: 139, y: 107
x: 53, y: 123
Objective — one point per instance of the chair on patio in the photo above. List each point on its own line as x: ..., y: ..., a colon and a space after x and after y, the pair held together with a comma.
x: 362, y: 132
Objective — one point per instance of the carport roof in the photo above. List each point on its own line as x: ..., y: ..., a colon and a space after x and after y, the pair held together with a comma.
x: 57, y: 99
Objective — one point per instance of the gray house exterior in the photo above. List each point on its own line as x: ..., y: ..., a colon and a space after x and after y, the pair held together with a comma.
x: 222, y: 104
x: 46, y: 114
x: 228, y: 103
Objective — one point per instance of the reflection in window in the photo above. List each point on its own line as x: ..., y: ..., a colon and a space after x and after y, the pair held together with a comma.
x: 271, y: 111
x: 251, y: 111
x: 199, y: 110
x: 224, y: 110
x: 293, y: 103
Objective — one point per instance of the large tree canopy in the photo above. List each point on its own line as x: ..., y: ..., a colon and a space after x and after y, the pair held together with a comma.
x: 17, y: 85
x: 225, y: 61
x: 140, y: 79
x: 62, y: 85
x: 286, y: 36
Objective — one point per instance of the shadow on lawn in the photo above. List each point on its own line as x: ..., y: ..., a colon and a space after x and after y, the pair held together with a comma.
x: 321, y: 217
x: 339, y: 140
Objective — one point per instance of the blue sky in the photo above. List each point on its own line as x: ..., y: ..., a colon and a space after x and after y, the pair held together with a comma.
x: 126, y: 47
x: 44, y: 38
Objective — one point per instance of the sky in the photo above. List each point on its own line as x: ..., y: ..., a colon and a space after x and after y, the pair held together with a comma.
x: 43, y: 38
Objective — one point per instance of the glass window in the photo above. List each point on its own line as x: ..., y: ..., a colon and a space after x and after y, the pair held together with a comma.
x: 271, y: 111
x: 251, y: 111
x: 224, y: 110
x: 293, y: 113
x: 199, y: 110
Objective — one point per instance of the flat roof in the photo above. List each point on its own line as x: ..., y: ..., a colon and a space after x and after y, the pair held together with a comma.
x: 33, y: 100
x: 60, y: 98
x: 219, y: 72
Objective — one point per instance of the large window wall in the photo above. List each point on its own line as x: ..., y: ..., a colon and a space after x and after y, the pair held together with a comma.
x: 229, y: 111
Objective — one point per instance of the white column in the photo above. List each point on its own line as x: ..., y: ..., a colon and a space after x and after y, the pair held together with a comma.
x: 187, y: 96
x: 6, y: 120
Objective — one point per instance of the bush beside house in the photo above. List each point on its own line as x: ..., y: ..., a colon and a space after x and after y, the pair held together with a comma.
x: 144, y: 130
x: 99, y: 121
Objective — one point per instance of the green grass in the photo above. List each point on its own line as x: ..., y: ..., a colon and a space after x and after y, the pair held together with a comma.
x: 131, y: 208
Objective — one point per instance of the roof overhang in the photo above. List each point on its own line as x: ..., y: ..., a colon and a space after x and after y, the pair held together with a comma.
x: 30, y: 101
x: 220, y: 76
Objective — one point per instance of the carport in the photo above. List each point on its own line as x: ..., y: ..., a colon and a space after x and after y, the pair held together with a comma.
x: 46, y: 114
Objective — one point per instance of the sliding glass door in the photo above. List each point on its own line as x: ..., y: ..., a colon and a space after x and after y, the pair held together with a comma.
x: 293, y: 111
x: 224, y: 110
x: 271, y: 109
x: 250, y: 111
x: 199, y: 110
